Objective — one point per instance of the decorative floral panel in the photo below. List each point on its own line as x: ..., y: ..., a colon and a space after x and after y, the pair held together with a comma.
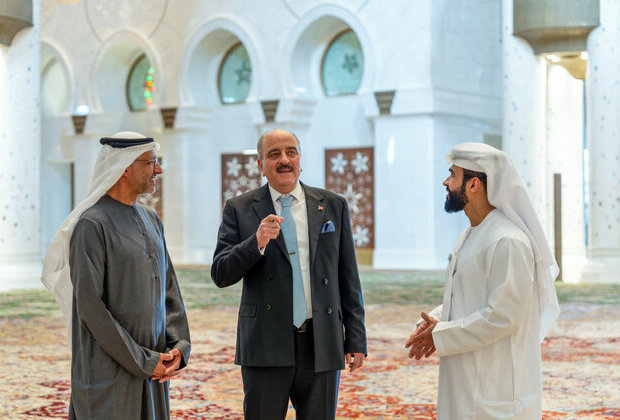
x: 240, y: 174
x: 154, y: 200
x: 350, y: 173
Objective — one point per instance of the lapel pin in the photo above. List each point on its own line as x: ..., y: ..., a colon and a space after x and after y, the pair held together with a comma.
x: 320, y: 208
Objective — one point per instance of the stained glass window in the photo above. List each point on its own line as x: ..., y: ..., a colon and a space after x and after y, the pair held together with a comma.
x: 140, y: 84
x: 235, y: 77
x: 343, y: 65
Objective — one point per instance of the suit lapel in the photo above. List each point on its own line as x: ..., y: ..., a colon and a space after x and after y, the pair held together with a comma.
x: 314, y: 199
x: 263, y: 206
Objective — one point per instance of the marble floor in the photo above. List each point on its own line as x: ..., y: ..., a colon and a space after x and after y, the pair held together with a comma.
x: 581, y: 355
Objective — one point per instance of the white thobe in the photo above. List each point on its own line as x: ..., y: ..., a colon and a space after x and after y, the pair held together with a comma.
x: 488, y: 338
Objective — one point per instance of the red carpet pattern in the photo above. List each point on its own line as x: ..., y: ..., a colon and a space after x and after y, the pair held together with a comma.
x: 581, y: 368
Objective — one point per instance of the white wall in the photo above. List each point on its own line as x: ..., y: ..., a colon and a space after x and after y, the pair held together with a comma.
x: 441, y: 57
x: 55, y: 174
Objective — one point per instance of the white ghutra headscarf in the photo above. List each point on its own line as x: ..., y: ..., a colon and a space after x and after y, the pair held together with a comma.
x: 506, y: 191
x: 117, y: 153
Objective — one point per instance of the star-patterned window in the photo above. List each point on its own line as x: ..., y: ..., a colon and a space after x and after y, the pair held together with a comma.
x: 140, y: 84
x: 235, y: 76
x: 343, y: 65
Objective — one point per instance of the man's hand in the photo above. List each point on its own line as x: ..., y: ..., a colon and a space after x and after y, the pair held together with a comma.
x: 268, y: 229
x: 160, y: 368
x: 168, y: 366
x: 354, y: 360
x: 421, y: 341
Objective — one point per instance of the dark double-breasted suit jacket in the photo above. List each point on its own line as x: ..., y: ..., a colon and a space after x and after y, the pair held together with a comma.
x: 265, y: 336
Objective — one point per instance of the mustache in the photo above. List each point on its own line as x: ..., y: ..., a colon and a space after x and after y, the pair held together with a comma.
x: 281, y: 167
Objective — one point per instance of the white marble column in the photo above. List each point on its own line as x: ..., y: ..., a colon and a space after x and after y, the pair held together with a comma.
x: 191, y: 189
x: 56, y: 159
x: 565, y: 156
x: 404, y: 190
x: 412, y: 230
x: 20, y: 225
x: 523, y: 131
x: 603, y: 102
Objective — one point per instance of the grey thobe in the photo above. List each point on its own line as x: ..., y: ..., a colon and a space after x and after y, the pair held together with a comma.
x: 127, y: 308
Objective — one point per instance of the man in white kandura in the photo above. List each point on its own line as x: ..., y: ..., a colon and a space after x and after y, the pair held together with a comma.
x: 499, y: 297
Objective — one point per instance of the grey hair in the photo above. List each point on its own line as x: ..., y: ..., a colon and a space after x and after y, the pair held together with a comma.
x: 259, y: 145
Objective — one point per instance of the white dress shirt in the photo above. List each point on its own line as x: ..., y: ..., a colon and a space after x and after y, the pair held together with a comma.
x: 300, y: 214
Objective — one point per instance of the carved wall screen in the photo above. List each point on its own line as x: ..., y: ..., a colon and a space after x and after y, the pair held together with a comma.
x: 350, y: 173
x: 240, y: 174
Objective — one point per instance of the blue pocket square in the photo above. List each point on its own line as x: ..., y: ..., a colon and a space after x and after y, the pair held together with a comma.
x: 328, y: 227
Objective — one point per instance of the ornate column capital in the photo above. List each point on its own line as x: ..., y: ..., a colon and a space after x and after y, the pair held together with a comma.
x: 15, y: 15
x: 294, y: 113
x: 168, y: 115
x: 432, y: 101
x: 79, y: 121
x: 193, y: 118
x: 555, y: 26
x: 384, y: 101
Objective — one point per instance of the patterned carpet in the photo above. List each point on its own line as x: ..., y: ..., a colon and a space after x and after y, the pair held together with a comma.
x: 581, y: 357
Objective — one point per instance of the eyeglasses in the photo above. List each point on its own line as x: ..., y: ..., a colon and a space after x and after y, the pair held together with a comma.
x: 154, y: 161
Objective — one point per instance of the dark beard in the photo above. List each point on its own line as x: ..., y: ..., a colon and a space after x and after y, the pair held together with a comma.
x: 456, y: 200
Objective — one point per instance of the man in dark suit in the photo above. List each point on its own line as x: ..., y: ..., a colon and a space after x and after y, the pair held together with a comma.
x: 301, y: 314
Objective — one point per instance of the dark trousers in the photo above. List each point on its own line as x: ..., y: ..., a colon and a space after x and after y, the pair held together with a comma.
x: 268, y: 389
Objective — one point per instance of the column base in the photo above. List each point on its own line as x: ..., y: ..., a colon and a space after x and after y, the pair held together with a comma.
x: 191, y: 256
x: 572, y: 268
x: 20, y: 275
x: 404, y: 259
x: 601, y: 269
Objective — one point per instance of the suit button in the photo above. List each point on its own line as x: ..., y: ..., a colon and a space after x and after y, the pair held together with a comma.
x: 325, y: 281
x: 268, y: 307
x: 329, y: 311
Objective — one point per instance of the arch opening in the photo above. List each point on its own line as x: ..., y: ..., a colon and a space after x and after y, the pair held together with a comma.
x: 212, y: 70
x: 126, y: 78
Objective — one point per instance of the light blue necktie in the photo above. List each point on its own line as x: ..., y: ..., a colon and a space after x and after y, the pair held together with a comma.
x: 290, y: 238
